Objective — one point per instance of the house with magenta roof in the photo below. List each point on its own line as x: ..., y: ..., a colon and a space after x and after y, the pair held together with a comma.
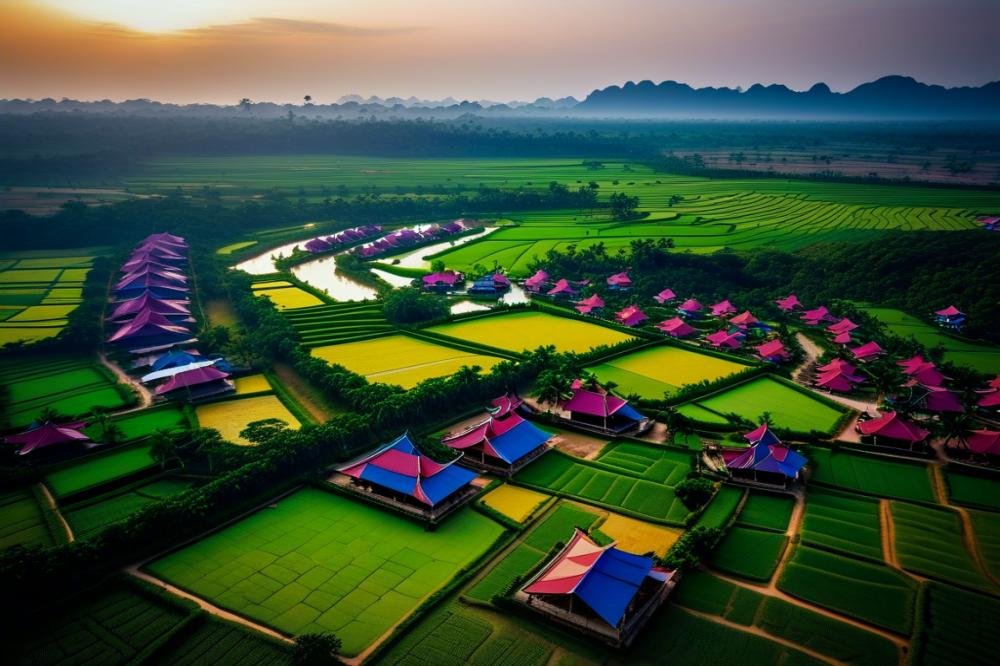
x: 772, y: 351
x: 591, y: 305
x: 631, y: 316
x: 125, y: 311
x: 602, y: 591
x: 619, y: 282
x: 537, y: 282
x: 845, y: 325
x: 892, y: 430
x: 594, y: 408
x: 744, y: 320
x: 149, y: 329
x: 789, y: 303
x: 196, y: 384
x: 817, y: 316
x: 867, y: 351
x: 977, y: 445
x: 442, y: 281
x: 665, y: 296
x: 690, y: 308
x: 562, y: 289
x: 676, y: 328
x: 934, y: 399
x: 766, y: 461
x: 400, y: 476
x: 41, y: 437
x: 951, y: 318
x: 490, y: 285
x: 722, y: 309
x: 503, y: 442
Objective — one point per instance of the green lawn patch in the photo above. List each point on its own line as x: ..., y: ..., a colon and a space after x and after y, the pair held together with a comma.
x: 749, y: 553
x: 766, y: 511
x: 321, y: 562
x: 100, y: 468
x: 874, y: 476
x: 842, y: 522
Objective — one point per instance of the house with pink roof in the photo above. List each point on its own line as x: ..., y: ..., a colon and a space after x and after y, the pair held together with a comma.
x: 772, y: 351
x: 982, y: 443
x: 789, y: 303
x: 676, y: 328
x: 690, y: 308
x: 839, y: 380
x: 722, y: 308
x: 845, y: 325
x: 619, y: 282
x: 891, y: 429
x: 631, y: 316
x: 951, y: 318
x: 744, y: 320
x: 594, y: 408
x: 816, y: 316
x: 935, y: 399
x: 724, y: 339
x: 195, y: 384
x: 665, y: 296
x: 590, y: 305
x: 442, y: 280
x: 537, y: 282
x: 562, y: 289
x: 867, y: 351
x: 41, y: 436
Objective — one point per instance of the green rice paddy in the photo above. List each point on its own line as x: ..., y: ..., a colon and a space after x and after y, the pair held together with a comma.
x: 659, y: 371
x: 95, y: 515
x: 749, y: 553
x: 973, y: 490
x: 843, y: 522
x: 321, y: 562
x: 519, y: 331
x: 765, y: 511
x: 22, y: 521
x: 958, y: 627
x: 99, y: 469
x: 655, y: 463
x: 335, y: 323
x: 37, y: 294
x: 721, y: 508
x: 789, y: 407
x: 870, y: 475
x: 142, y: 423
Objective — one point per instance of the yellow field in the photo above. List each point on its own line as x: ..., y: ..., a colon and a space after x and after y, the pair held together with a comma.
x: 401, y: 360
x: 61, y: 295
x: 252, y: 384
x: 677, y: 366
x: 289, y: 298
x: 230, y: 417
x: 74, y: 275
x: 271, y: 284
x: 10, y: 334
x: 232, y: 247
x: 42, y: 313
x: 529, y: 330
x: 16, y: 276
x: 635, y: 536
x: 513, y: 502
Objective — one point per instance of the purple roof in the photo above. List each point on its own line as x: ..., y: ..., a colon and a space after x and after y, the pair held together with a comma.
x: 169, y: 277
x: 146, y: 324
x: 42, y: 435
x: 665, y: 295
x: 188, y: 378
x: 866, y: 350
x: 448, y: 278
x: 147, y: 301
x: 593, y: 403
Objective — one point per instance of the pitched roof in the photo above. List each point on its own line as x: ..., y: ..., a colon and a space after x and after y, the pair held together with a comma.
x: 149, y: 324
x: 448, y: 278
x: 189, y: 378
x: 165, y: 238
x: 788, y: 303
x: 147, y: 301
x: 893, y: 426
x: 537, y: 280
x: 605, y: 578
x: 620, y: 280
x: 690, y: 305
x: 599, y: 403
x: 676, y: 327
x: 984, y: 441
x: 842, y: 338
x: 745, y: 318
x: 926, y: 373
x: 665, y: 295
x: 867, y: 350
x: 509, y: 438
x: 838, y: 380
x: 838, y: 364
x: 631, y: 316
x: 766, y: 454
x: 772, y: 349
x: 505, y: 404
x: 723, y: 338
x: 177, y: 369
x: 950, y: 311
x: 722, y: 308
x: 590, y: 303
x: 562, y: 286
x: 42, y: 435
x: 401, y: 467
x: 816, y: 315
x: 935, y: 398
x: 991, y: 399
x: 845, y: 325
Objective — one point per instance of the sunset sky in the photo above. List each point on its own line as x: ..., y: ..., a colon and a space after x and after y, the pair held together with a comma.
x: 279, y: 50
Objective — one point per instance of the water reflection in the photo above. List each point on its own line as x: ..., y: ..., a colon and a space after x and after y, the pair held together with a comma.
x: 396, y: 281
x: 461, y: 307
x: 323, y: 274
x: 264, y: 263
x: 415, y: 259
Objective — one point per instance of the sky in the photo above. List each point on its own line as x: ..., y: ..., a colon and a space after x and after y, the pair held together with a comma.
x: 219, y: 51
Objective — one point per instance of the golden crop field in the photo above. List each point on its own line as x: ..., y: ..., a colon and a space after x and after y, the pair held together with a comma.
x: 636, y: 536
x: 514, y: 502
x: 529, y: 330
x: 401, y: 360
x: 230, y: 417
x: 43, y: 313
x: 252, y: 384
x: 653, y: 372
x: 232, y: 247
x: 271, y: 284
x: 289, y: 298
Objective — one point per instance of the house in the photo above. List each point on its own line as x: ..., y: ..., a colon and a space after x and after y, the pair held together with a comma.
x: 789, y: 303
x: 951, y: 318
x: 845, y: 325
x: 676, y: 328
x: 772, y: 351
x: 442, y: 280
x: 665, y: 296
x: 490, y: 285
x: 744, y: 320
x: 562, y: 289
x: 537, y: 282
x: 40, y: 436
x: 816, y: 316
x: 838, y: 375
x: 631, y: 316
x: 891, y: 429
x: 923, y: 371
x: 596, y: 409
x: 690, y: 308
x: 602, y: 591
x: 163, y: 288
x: 985, y: 443
x: 767, y: 461
x: 723, y: 339
x: 148, y: 329
x: 722, y: 308
x: 176, y: 311
x: 867, y: 351
x: 619, y: 282
x: 932, y: 398
x: 503, y: 442
x: 590, y: 305
x: 196, y: 384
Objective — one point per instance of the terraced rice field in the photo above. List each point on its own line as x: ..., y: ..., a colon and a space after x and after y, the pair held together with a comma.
x: 959, y: 627
x: 867, y: 591
x: 929, y: 542
x: 766, y: 512
x: 749, y: 553
x: 556, y: 527
x: 401, y: 360
x: 843, y: 522
x: 144, y: 422
x: 98, y: 469
x: 289, y: 298
x: 636, y: 536
x: 789, y: 407
x: 335, y: 323
x: 519, y: 331
x: 872, y: 476
x: 981, y: 357
x: 22, y: 521
x: 92, y: 516
x: 320, y: 562
x: 233, y: 247
x: 72, y: 386
x: 38, y: 293
x: 212, y: 641
x: 973, y: 490
x: 231, y: 417
x: 513, y: 502
x: 700, y: 591
x: 561, y: 474
x: 721, y: 508
x: 986, y: 530
x: 658, y: 371
x: 655, y: 463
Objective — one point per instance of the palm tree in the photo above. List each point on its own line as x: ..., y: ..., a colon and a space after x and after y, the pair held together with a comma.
x: 308, y: 99
x: 163, y: 448
x: 954, y: 426
x: 553, y: 388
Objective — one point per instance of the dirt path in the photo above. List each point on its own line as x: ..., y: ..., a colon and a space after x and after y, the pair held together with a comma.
x: 657, y: 434
x: 812, y: 351
x: 54, y: 507
x: 968, y: 531
x: 579, y: 445
x: 757, y: 631
x: 937, y: 483
x: 887, y: 532
x: 204, y: 605
x: 145, y: 397
x: 320, y: 409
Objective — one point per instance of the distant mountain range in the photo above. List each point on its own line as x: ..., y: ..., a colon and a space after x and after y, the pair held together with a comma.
x: 891, y: 97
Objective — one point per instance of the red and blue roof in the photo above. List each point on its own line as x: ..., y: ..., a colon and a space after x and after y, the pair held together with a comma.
x: 766, y: 454
x: 508, y: 438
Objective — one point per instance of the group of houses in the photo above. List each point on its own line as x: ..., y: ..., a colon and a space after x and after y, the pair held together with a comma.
x: 404, y: 238
x: 342, y: 239
x: 151, y: 316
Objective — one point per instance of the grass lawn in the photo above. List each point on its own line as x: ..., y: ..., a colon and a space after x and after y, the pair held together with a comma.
x: 958, y: 627
x: 96, y: 515
x: 22, y: 521
x: 231, y: 417
x: 654, y: 372
x: 654, y: 463
x: 885, y: 478
x: 321, y: 562
x: 769, y: 512
x: 401, y: 360
x: 972, y: 490
x: 563, y: 474
x: 514, y: 502
x: 788, y: 407
x: 749, y: 553
x: 518, y: 331
x: 637, y: 536
x: 556, y: 527
x: 843, y: 522
x: 867, y: 591
x: 929, y: 542
x: 101, y: 468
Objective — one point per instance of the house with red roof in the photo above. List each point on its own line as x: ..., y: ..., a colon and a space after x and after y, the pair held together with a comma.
x: 789, y: 303
x: 595, y: 408
x: 590, y: 305
x: 401, y: 476
x: 631, y: 316
x: 892, y: 430
x: 604, y: 591
x: 676, y: 328
x: 503, y: 442
x: 665, y: 296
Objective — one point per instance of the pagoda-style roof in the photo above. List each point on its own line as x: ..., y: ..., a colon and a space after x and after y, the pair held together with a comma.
x: 983, y: 442
x: 400, y: 467
x: 893, y: 426
x: 149, y: 324
x: 840, y: 381
x: 676, y: 327
x: 508, y: 438
x: 191, y: 378
x: 536, y: 281
x: 505, y: 404
x: 167, y: 239
x: 816, y: 316
x: 838, y: 364
x: 934, y: 398
x: 147, y: 301
x: 766, y: 454
x: 43, y: 435
x: 599, y: 403
x: 950, y: 311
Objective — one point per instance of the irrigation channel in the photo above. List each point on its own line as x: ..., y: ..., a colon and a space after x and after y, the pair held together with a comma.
x: 322, y: 272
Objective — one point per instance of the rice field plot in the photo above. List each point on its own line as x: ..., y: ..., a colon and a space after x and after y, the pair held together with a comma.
x: 789, y: 407
x: 654, y: 463
x: 401, y: 360
x: 843, y: 522
x: 929, y: 542
x: 519, y: 331
x: 658, y: 371
x: 110, y: 627
x: 233, y: 247
x: 986, y: 532
x: 37, y: 294
x: 22, y: 521
x: 864, y: 590
x: 703, y: 592
x: 721, y: 507
x: 564, y: 475
x: 144, y: 422
x: 983, y: 358
x: 320, y: 562
x: 210, y: 640
x: 289, y: 298
x: 336, y: 323
x: 514, y: 502
x: 93, y: 516
x: 231, y: 417
x: 870, y: 475
x: 99, y: 468
x: 556, y: 527
x: 766, y: 511
x: 72, y: 386
x: 252, y: 384
x: 973, y: 489
x: 637, y: 536
x: 749, y: 553
x: 958, y: 627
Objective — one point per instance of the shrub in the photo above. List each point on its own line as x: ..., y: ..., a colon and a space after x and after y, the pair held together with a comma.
x: 316, y: 650
x: 694, y: 492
